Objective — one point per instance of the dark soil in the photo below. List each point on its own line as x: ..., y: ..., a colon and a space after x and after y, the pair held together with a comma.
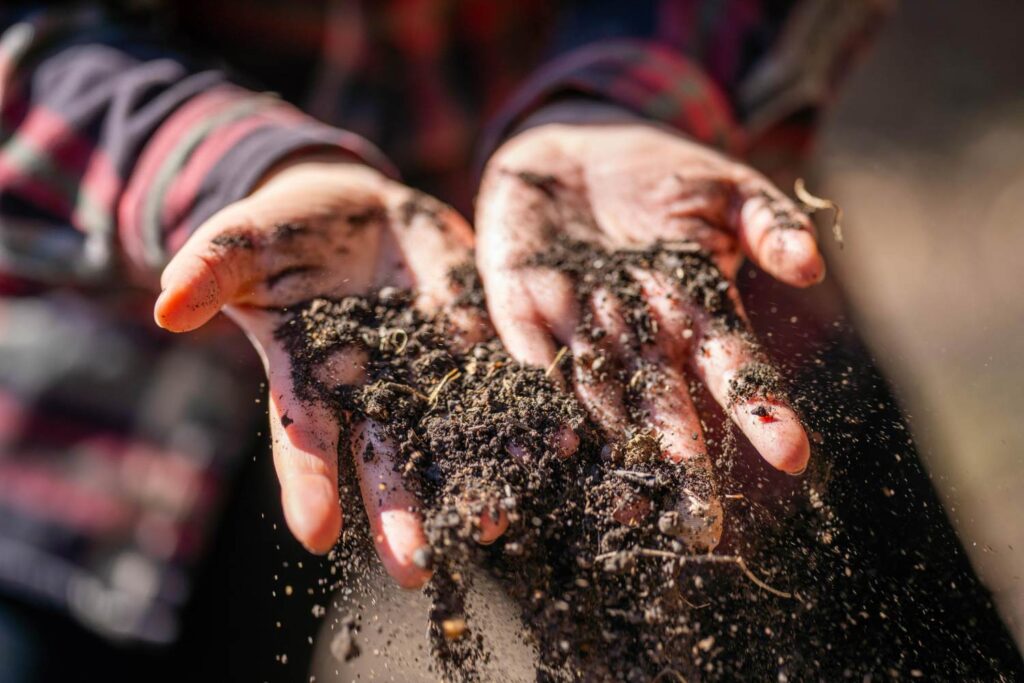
x: 607, y: 595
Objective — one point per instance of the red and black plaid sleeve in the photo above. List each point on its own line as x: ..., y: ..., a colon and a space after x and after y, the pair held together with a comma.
x: 113, y: 151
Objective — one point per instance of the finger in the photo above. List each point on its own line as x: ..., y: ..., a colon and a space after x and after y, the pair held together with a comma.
x: 520, y: 323
x: 697, y: 518
x: 746, y: 387
x: 668, y: 412
x: 493, y: 523
x: 718, y: 356
x: 304, y: 436
x: 206, y: 273
x: 565, y: 442
x: 528, y: 306
x: 776, y: 234
x: 435, y: 241
x: 667, y: 393
x: 305, y: 445
x: 656, y: 378
x: 599, y: 369
x: 394, y: 513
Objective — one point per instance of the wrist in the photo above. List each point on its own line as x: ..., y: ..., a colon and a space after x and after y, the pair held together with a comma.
x: 577, y: 110
x: 302, y: 160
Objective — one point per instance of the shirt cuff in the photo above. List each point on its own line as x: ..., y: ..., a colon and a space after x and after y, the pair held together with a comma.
x: 647, y: 78
x: 211, y: 152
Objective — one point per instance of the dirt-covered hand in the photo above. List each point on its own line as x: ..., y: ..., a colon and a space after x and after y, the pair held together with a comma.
x: 324, y: 228
x: 620, y: 240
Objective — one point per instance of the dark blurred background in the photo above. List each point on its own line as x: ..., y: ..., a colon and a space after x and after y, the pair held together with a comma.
x: 925, y: 153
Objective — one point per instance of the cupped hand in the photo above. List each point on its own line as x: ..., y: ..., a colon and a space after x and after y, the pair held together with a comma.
x: 324, y: 228
x: 618, y: 185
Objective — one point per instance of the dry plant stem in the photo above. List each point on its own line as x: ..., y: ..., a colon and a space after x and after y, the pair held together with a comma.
x: 813, y: 203
x: 700, y: 559
x: 558, y: 359
x: 436, y: 392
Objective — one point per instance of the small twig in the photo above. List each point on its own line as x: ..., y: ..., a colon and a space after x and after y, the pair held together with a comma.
x: 493, y: 368
x: 558, y: 359
x: 405, y: 388
x: 388, y: 338
x: 439, y: 387
x: 815, y: 203
x: 693, y: 606
x: 681, y: 246
x: 643, y: 478
x: 700, y: 559
x: 400, y: 346
x: 742, y: 564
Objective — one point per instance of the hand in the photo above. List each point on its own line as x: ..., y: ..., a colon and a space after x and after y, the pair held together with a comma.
x: 617, y: 183
x: 321, y: 227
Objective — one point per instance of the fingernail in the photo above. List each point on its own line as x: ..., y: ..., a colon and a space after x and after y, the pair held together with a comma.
x: 799, y: 472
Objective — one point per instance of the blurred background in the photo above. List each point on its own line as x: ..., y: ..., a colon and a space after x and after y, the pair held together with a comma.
x: 925, y: 153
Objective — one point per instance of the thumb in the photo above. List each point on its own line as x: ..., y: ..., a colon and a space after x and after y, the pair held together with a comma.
x: 207, y: 273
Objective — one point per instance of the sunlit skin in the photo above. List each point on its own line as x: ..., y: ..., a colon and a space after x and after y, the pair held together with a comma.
x: 324, y: 227
x: 328, y: 226
x: 622, y: 183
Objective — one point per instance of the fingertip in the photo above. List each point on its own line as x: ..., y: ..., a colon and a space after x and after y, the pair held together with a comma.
x: 790, y: 256
x: 184, y: 308
x: 399, y: 540
x: 492, y: 527
x: 799, y: 262
x: 777, y: 434
x: 794, y: 459
x: 312, y: 511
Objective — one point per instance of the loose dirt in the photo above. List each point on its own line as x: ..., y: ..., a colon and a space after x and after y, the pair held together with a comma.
x: 601, y: 553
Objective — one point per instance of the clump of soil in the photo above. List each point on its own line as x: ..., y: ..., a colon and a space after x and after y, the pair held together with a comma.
x: 597, y: 543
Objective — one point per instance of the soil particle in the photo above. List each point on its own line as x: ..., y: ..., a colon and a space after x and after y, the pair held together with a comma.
x: 753, y: 381
x: 344, y: 646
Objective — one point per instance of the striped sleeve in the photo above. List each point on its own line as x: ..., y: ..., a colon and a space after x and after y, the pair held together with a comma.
x: 648, y: 78
x: 113, y: 149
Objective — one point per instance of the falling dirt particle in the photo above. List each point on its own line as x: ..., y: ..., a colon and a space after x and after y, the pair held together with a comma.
x: 288, y: 590
x: 705, y: 644
x: 453, y: 628
x: 343, y: 646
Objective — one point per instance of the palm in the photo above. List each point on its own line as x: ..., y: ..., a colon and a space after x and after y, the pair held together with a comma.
x: 322, y: 230
x: 630, y: 186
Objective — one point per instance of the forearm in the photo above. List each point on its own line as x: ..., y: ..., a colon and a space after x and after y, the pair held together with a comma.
x: 113, y: 148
